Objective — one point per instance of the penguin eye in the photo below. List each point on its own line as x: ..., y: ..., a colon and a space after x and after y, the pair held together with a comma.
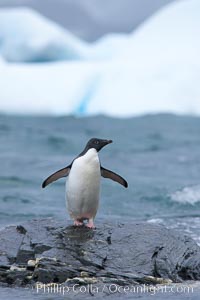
x: 96, y: 142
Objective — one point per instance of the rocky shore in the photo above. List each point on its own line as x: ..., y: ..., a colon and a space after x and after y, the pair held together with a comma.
x: 46, y: 251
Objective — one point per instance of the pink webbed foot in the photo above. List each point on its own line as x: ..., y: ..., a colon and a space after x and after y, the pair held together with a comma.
x: 90, y: 224
x: 78, y: 223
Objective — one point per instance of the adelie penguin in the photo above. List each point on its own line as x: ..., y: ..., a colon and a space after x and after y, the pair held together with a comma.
x: 83, y: 182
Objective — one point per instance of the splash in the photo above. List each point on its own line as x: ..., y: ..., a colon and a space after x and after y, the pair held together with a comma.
x: 189, y: 195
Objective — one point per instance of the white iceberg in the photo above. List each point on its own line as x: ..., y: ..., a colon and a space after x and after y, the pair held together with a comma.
x: 1, y: 60
x: 26, y: 36
x: 154, y: 69
x: 158, y: 70
x: 53, y: 88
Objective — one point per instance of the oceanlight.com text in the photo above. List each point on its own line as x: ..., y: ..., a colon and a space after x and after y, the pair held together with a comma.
x: 93, y: 289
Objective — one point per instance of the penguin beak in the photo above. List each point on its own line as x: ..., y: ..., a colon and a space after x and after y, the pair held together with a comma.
x: 101, y: 143
x: 104, y: 143
x: 108, y: 142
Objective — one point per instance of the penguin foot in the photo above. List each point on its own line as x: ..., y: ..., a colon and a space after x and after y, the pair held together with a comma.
x: 78, y: 223
x: 90, y: 224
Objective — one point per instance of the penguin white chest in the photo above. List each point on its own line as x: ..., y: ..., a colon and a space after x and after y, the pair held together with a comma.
x: 83, y: 186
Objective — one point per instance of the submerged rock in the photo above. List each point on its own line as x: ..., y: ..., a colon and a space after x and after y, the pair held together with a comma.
x: 47, y: 251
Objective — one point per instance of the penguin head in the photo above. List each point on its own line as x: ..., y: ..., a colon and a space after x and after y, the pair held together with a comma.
x: 97, y: 144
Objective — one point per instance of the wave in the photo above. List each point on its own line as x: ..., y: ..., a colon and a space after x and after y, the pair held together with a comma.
x: 188, y: 195
x: 13, y: 180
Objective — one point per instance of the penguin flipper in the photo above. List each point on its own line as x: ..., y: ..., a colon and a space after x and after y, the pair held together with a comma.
x: 110, y: 174
x: 55, y: 176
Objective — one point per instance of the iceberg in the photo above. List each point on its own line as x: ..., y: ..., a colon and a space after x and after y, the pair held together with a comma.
x: 47, y: 89
x: 26, y: 36
x: 1, y: 60
x: 154, y: 69
x: 157, y: 68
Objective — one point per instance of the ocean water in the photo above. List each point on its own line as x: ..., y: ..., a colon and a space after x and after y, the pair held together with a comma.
x: 159, y: 156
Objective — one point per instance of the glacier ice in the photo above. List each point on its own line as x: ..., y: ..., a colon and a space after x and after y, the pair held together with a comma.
x: 26, y: 36
x: 154, y: 69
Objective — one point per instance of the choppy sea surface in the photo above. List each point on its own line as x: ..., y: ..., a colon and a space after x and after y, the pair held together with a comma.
x: 159, y: 155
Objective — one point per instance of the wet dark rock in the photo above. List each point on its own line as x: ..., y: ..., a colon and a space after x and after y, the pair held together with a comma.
x: 47, y: 251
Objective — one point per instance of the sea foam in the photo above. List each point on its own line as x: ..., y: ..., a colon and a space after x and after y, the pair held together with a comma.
x: 187, y: 195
